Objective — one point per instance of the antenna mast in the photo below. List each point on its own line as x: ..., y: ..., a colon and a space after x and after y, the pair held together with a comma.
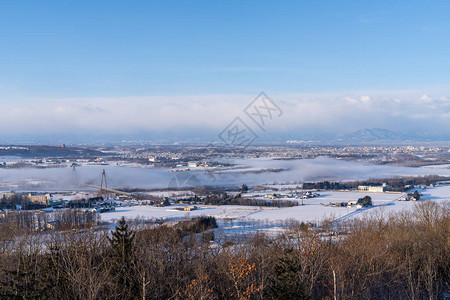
x: 101, y: 183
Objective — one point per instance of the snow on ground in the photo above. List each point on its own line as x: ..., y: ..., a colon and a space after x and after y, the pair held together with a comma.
x: 334, y: 196
x: 439, y: 194
x: 305, y: 213
x: 170, y: 193
x: 326, y: 197
x: 315, y: 209
x: 170, y: 212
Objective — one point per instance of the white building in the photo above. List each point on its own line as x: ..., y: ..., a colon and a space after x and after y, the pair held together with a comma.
x: 371, y: 189
x: 193, y: 164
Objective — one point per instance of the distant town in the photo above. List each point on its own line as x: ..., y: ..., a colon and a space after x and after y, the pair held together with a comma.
x: 197, y: 156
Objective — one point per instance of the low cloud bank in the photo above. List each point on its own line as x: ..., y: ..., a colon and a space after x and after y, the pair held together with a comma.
x: 404, y: 111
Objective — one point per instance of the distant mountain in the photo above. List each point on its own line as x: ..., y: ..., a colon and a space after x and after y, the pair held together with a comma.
x: 373, y: 135
x: 35, y: 151
x: 369, y: 136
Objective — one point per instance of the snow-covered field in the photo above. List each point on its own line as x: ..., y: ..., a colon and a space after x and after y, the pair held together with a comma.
x: 168, y: 213
x: 314, y: 210
x: 439, y: 194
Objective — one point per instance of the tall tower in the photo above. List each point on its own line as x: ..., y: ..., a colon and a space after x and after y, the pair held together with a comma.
x: 101, y: 183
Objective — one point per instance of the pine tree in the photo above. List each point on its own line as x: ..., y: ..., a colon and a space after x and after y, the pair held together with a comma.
x: 24, y: 281
x: 122, y: 260
x: 122, y: 240
x: 286, y: 283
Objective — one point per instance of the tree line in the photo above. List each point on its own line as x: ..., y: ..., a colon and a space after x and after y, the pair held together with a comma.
x: 21, y: 222
x: 403, y: 256
x: 396, y: 184
x: 225, y: 199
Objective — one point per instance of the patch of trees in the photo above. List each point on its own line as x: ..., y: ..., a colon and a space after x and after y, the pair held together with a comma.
x: 326, y: 185
x: 195, y: 225
x: 397, y: 184
x: 406, y: 256
x: 260, y: 202
x: 226, y: 199
x: 207, y: 190
x: 365, y: 201
x: 75, y: 218
x: 29, y: 221
x: 51, y: 152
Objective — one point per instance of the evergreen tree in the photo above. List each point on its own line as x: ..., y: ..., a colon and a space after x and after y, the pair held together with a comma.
x: 122, y: 240
x: 366, y: 201
x: 286, y: 283
x: 24, y: 281
x: 122, y: 244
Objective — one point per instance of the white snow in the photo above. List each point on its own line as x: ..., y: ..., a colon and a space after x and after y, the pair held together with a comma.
x: 315, y: 209
x: 170, y: 212
x: 170, y: 193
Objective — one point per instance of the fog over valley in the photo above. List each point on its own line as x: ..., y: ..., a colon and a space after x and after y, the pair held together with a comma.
x: 247, y: 171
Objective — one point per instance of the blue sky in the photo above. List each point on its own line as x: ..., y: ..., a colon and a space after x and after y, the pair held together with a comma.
x: 119, y: 49
x: 142, y: 48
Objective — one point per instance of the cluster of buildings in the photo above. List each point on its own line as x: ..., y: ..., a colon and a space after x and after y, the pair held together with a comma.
x: 180, y: 154
x: 196, y: 164
x: 352, y: 203
x: 411, y: 197
x: 303, y: 195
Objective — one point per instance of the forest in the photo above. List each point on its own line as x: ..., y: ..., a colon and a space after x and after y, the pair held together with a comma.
x: 401, y: 256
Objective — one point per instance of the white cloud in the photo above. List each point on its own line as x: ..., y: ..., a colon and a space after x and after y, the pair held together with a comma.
x: 327, y: 112
x: 426, y: 98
